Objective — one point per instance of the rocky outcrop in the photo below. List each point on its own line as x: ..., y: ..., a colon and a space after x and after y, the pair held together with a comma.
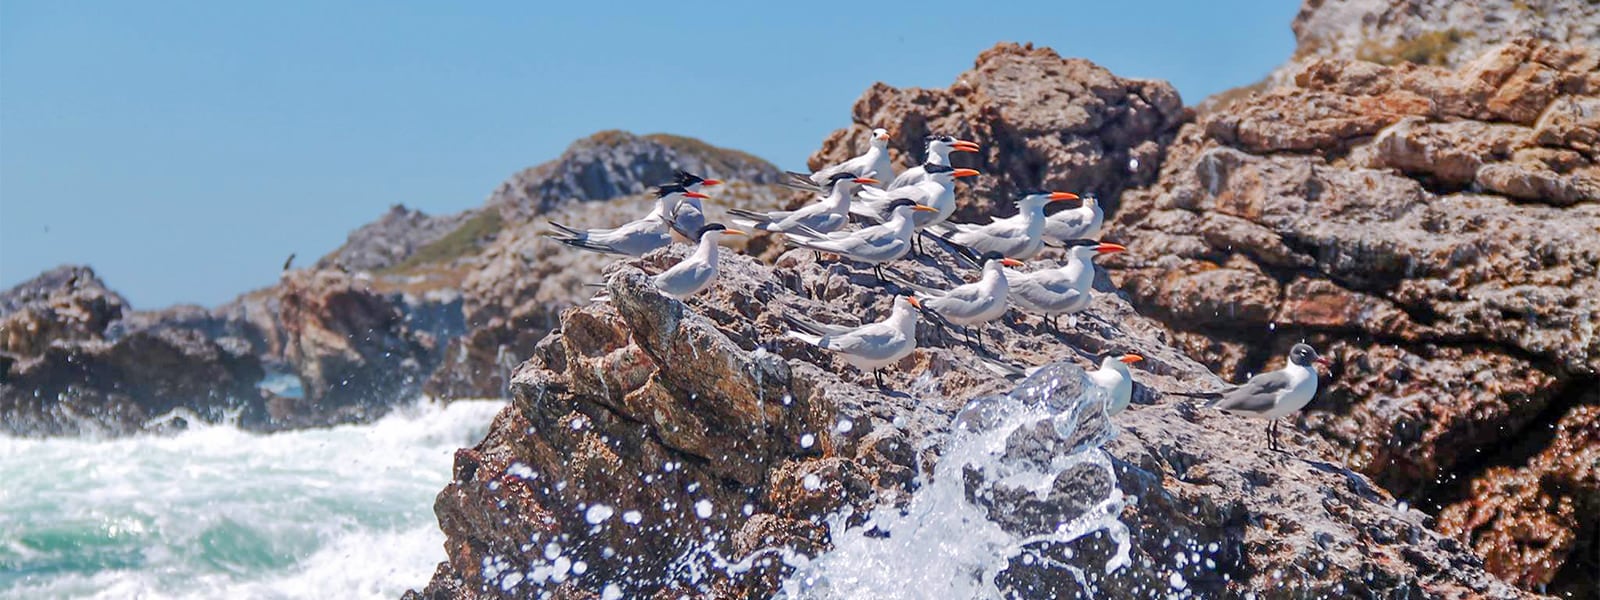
x: 390, y: 240
x: 66, y: 373
x: 350, y: 345
x: 652, y: 443
x: 1428, y: 227
x: 1044, y: 123
x: 516, y: 294
x: 611, y: 164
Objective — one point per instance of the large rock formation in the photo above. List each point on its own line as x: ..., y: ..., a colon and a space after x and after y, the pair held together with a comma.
x: 1434, y: 230
x: 1435, y: 32
x: 1044, y: 123
x: 393, y: 238
x: 651, y: 441
x: 62, y: 371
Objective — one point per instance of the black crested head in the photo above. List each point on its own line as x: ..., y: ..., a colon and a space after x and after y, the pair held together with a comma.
x: 1303, y: 355
x: 841, y: 176
x: 671, y: 188
x: 1023, y: 195
x: 685, y: 178
x: 1080, y: 242
x: 992, y: 256
x: 935, y: 137
x: 899, y: 202
x: 932, y: 169
x: 708, y: 228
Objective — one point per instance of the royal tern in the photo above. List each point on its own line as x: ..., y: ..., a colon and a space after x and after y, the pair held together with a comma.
x: 699, y: 269
x: 1081, y: 223
x: 827, y: 215
x: 868, y: 347
x: 1062, y: 290
x: 874, y: 162
x: 1020, y: 236
x: 1271, y: 395
x: 937, y: 192
x: 634, y: 238
x: 873, y: 245
x: 939, y: 149
x: 1114, y: 378
x: 976, y: 303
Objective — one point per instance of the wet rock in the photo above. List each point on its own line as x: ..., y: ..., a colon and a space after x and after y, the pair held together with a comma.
x: 68, y: 303
x: 349, y: 344
x: 1537, y: 525
x: 711, y: 440
x: 1044, y: 123
x: 1411, y: 221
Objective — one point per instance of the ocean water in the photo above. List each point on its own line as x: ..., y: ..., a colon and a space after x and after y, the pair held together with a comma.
x: 215, y: 512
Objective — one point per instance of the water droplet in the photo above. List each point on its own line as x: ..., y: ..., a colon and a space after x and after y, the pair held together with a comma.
x: 632, y: 517
x: 703, y: 508
x: 807, y: 440
x: 844, y: 426
x: 597, y: 514
x: 811, y: 482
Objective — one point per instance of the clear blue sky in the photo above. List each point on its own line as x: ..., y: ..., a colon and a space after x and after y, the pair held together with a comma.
x: 183, y: 149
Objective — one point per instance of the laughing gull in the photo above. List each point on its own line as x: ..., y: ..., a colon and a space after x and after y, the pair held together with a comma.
x: 1271, y: 395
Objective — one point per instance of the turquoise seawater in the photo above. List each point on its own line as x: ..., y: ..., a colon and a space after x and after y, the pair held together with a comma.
x: 215, y: 512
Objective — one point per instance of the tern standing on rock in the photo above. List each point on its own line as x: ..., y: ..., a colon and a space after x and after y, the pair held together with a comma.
x: 873, y: 245
x: 1081, y: 223
x: 699, y: 270
x: 1063, y: 290
x: 1019, y: 237
x: 875, y: 161
x: 869, y: 347
x: 1271, y: 395
x: 939, y: 149
x: 829, y: 214
x: 975, y: 303
x: 1113, y: 377
x: 635, y: 238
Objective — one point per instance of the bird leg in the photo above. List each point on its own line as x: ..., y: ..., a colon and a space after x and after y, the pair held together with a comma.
x: 877, y: 375
x: 1272, y: 435
x: 878, y: 270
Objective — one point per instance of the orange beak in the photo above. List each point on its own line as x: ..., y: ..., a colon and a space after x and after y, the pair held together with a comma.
x: 965, y: 173
x: 884, y: 137
x: 1107, y: 248
x: 921, y: 208
x: 1059, y: 196
x: 866, y: 181
x: 711, y: 182
x: 1131, y: 358
x: 964, y: 146
x: 733, y: 232
x: 695, y: 195
x: 1011, y: 262
x: 914, y: 302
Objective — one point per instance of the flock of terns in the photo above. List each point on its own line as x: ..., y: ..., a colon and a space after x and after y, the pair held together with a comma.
x: 892, y: 219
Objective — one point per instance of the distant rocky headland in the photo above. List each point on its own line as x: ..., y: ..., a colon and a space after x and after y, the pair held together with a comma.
x: 1416, y: 192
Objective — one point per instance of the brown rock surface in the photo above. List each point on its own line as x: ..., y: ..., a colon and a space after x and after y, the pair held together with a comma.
x: 1044, y: 123
x: 650, y: 435
x: 1530, y: 523
x: 1374, y: 210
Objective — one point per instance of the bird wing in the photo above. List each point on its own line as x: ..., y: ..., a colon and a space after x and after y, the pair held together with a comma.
x: 1258, y: 395
x: 1040, y: 291
x: 873, y: 341
x: 685, y: 277
x: 687, y: 217
x: 1067, y: 225
x: 910, y: 177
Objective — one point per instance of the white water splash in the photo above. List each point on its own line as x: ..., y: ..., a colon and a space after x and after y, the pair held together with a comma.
x: 944, y: 544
